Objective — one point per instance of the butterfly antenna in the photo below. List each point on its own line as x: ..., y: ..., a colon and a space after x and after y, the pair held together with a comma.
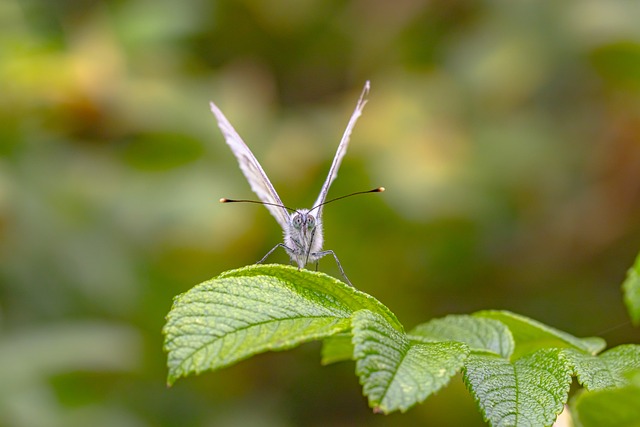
x: 257, y: 202
x: 375, y: 190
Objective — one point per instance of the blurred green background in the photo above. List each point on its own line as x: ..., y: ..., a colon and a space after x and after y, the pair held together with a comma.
x: 506, y: 133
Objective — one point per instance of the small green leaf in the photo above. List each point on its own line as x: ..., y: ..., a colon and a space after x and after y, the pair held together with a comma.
x: 254, y: 309
x: 531, y: 335
x: 395, y: 371
x: 606, y: 370
x: 631, y: 289
x: 478, y: 333
x: 528, y: 392
x: 619, y: 407
x: 337, y: 348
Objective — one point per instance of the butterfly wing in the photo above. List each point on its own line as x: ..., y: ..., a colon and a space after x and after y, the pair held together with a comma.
x: 342, y: 150
x: 251, y: 169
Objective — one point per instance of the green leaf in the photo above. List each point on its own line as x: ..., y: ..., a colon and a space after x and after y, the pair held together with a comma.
x: 619, y: 407
x: 478, y: 333
x: 337, y: 348
x: 631, y: 289
x: 395, y: 371
x: 634, y: 377
x: 531, y: 335
x: 254, y: 309
x: 528, y: 392
x: 607, y: 370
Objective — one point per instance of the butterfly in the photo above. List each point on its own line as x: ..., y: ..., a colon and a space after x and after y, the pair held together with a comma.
x: 302, y: 228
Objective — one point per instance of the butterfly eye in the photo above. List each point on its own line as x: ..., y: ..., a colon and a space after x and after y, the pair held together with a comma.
x: 311, y: 221
x: 297, y: 221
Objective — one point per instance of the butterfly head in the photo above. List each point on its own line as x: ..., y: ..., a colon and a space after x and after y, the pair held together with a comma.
x: 303, y: 221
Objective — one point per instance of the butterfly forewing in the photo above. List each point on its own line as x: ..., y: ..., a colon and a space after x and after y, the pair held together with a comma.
x: 251, y: 169
x: 342, y: 150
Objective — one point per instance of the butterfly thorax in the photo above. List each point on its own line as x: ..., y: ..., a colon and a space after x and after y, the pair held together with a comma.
x: 303, y: 238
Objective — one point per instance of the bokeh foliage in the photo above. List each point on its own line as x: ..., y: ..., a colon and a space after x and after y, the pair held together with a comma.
x: 506, y: 133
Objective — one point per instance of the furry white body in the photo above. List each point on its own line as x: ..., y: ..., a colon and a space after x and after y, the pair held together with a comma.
x: 303, y: 238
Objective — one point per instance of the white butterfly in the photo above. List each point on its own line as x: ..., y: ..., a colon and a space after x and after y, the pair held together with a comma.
x: 303, y: 227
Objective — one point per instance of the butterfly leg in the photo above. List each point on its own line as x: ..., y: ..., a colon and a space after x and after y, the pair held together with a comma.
x: 323, y: 253
x: 279, y: 245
